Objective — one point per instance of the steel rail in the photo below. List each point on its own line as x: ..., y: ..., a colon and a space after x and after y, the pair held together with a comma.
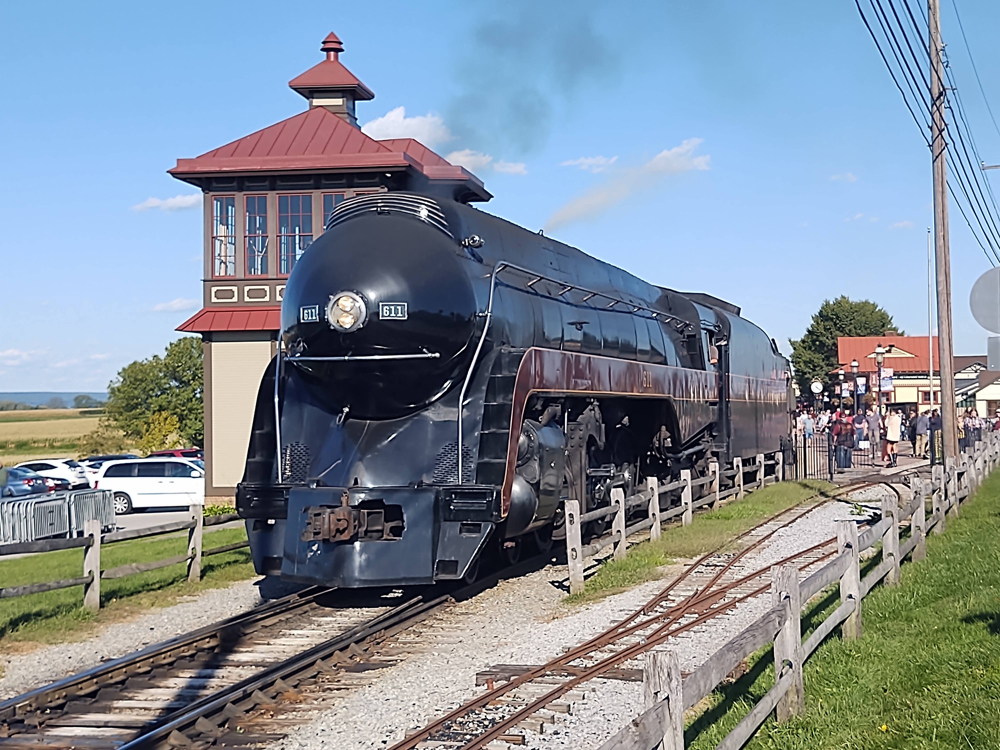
x: 110, y: 671
x: 629, y: 626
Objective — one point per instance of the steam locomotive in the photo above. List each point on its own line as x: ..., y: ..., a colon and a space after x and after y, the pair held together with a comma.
x: 446, y: 380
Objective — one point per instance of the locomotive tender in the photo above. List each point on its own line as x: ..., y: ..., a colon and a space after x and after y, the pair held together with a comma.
x: 447, y: 379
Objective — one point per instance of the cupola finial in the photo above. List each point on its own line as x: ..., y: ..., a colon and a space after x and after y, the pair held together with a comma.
x: 332, y: 46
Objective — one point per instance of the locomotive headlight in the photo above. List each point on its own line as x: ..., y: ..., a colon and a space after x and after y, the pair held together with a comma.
x: 346, y: 312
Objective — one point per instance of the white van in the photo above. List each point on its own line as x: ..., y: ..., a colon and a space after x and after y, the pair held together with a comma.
x: 153, y: 483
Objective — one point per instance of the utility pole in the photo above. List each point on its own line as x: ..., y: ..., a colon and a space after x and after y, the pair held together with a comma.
x: 930, y: 314
x: 946, y: 355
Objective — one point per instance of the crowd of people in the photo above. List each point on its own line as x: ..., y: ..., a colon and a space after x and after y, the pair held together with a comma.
x: 880, y: 433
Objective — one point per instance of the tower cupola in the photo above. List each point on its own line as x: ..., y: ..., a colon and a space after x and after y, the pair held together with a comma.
x: 330, y: 85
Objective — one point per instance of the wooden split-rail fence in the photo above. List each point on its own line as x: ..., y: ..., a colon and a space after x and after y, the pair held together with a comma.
x: 765, y: 470
x: 668, y: 694
x: 93, y: 540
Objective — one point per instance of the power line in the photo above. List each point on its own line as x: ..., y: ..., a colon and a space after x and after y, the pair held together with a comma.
x: 917, y: 85
x: 968, y: 50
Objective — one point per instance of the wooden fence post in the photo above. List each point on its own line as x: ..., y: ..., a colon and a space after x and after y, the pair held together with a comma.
x: 661, y: 681
x: 653, y: 488
x: 937, y: 499
x: 194, y: 543
x: 788, y: 641
x: 618, y: 526
x: 738, y: 479
x: 850, y: 581
x: 713, y: 488
x: 574, y: 546
x: 890, y: 539
x: 779, y: 466
x: 918, y: 524
x: 686, y: 498
x: 92, y: 565
x: 760, y: 471
x: 951, y: 485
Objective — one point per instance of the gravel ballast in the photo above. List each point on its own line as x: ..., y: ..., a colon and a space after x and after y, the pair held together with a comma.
x: 22, y: 672
x: 513, y: 624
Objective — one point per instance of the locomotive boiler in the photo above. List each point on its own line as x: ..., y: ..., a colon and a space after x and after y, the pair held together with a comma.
x: 446, y: 380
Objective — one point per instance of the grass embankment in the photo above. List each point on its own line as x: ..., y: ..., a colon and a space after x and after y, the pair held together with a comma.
x: 59, y: 615
x: 43, y: 433
x: 925, y: 674
x: 708, y: 532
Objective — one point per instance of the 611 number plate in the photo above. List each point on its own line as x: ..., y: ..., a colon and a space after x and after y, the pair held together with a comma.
x: 392, y: 310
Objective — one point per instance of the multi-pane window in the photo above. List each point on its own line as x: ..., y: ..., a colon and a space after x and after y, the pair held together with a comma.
x: 256, y: 237
x: 330, y: 202
x: 224, y: 235
x: 294, y: 229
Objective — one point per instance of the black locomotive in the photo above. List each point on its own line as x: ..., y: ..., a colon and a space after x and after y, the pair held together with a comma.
x: 448, y: 379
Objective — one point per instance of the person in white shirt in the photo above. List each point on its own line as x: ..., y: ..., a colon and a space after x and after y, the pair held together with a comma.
x: 893, y: 428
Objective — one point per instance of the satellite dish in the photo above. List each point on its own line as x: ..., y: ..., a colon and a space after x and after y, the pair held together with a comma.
x: 985, y: 300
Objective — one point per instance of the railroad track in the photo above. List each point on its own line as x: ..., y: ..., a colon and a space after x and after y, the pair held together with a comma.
x: 211, y: 686
x: 531, y: 696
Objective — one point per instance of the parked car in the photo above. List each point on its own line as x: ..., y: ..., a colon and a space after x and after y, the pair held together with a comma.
x: 23, y: 483
x: 152, y: 483
x: 92, y: 464
x: 57, y: 484
x: 59, y: 468
x: 179, y: 453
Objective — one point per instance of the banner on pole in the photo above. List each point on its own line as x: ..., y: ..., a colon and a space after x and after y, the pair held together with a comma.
x: 886, y: 385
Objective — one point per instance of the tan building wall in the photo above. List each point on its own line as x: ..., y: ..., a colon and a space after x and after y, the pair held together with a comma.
x: 234, y: 366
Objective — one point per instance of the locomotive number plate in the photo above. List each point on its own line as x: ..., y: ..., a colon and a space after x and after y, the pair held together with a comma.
x: 309, y: 314
x: 392, y: 310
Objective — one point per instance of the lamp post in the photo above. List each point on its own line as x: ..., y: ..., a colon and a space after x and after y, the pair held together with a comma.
x: 879, y: 358
x: 840, y: 388
x: 854, y: 372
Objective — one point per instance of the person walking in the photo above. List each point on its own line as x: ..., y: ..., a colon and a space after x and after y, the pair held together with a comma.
x: 893, y: 428
x: 844, y: 439
x: 860, y: 425
x: 921, y: 428
x: 874, y: 434
x: 809, y: 426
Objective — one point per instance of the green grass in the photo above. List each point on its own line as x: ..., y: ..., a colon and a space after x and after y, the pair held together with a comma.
x: 926, y: 673
x: 56, y: 616
x: 708, y: 531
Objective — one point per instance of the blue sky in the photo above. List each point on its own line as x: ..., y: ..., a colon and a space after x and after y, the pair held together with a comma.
x: 756, y: 151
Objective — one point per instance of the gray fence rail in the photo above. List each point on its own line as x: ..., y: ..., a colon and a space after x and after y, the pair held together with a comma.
x: 933, y: 502
x: 93, y: 540
x: 59, y: 514
x: 657, y: 498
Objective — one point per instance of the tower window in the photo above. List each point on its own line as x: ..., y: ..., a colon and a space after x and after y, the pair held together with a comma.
x: 294, y: 229
x: 224, y: 235
x: 256, y: 238
x: 330, y: 202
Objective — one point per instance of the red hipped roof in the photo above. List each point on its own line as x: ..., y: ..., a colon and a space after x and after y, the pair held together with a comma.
x: 908, y: 353
x: 331, y: 73
x: 211, y: 320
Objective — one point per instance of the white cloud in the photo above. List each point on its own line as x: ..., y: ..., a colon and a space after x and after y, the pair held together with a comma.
x: 177, y: 203
x: 873, y: 219
x: 856, y: 217
x: 429, y: 129
x: 845, y: 177
x: 510, y: 167
x: 472, y: 160
x: 181, y: 304
x: 99, y: 357
x: 906, y: 224
x: 593, y: 164
x: 622, y: 184
x: 14, y: 357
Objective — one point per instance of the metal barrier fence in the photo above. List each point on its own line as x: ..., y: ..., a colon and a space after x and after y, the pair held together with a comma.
x: 823, y: 455
x: 59, y: 515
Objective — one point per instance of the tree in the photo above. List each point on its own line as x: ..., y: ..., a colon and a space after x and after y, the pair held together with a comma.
x: 160, y: 433
x: 55, y: 402
x: 83, y: 401
x: 814, y: 356
x: 169, y: 385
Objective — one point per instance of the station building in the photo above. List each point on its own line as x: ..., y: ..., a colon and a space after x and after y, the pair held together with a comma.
x: 916, y: 379
x: 266, y: 197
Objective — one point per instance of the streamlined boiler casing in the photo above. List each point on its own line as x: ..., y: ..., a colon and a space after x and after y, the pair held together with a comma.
x: 448, y: 379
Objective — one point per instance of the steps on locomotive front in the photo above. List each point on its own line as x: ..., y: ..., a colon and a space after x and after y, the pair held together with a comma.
x: 495, y: 432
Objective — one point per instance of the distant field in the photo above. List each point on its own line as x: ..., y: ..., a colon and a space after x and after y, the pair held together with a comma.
x: 42, y: 415
x: 47, y: 429
x: 43, y: 433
